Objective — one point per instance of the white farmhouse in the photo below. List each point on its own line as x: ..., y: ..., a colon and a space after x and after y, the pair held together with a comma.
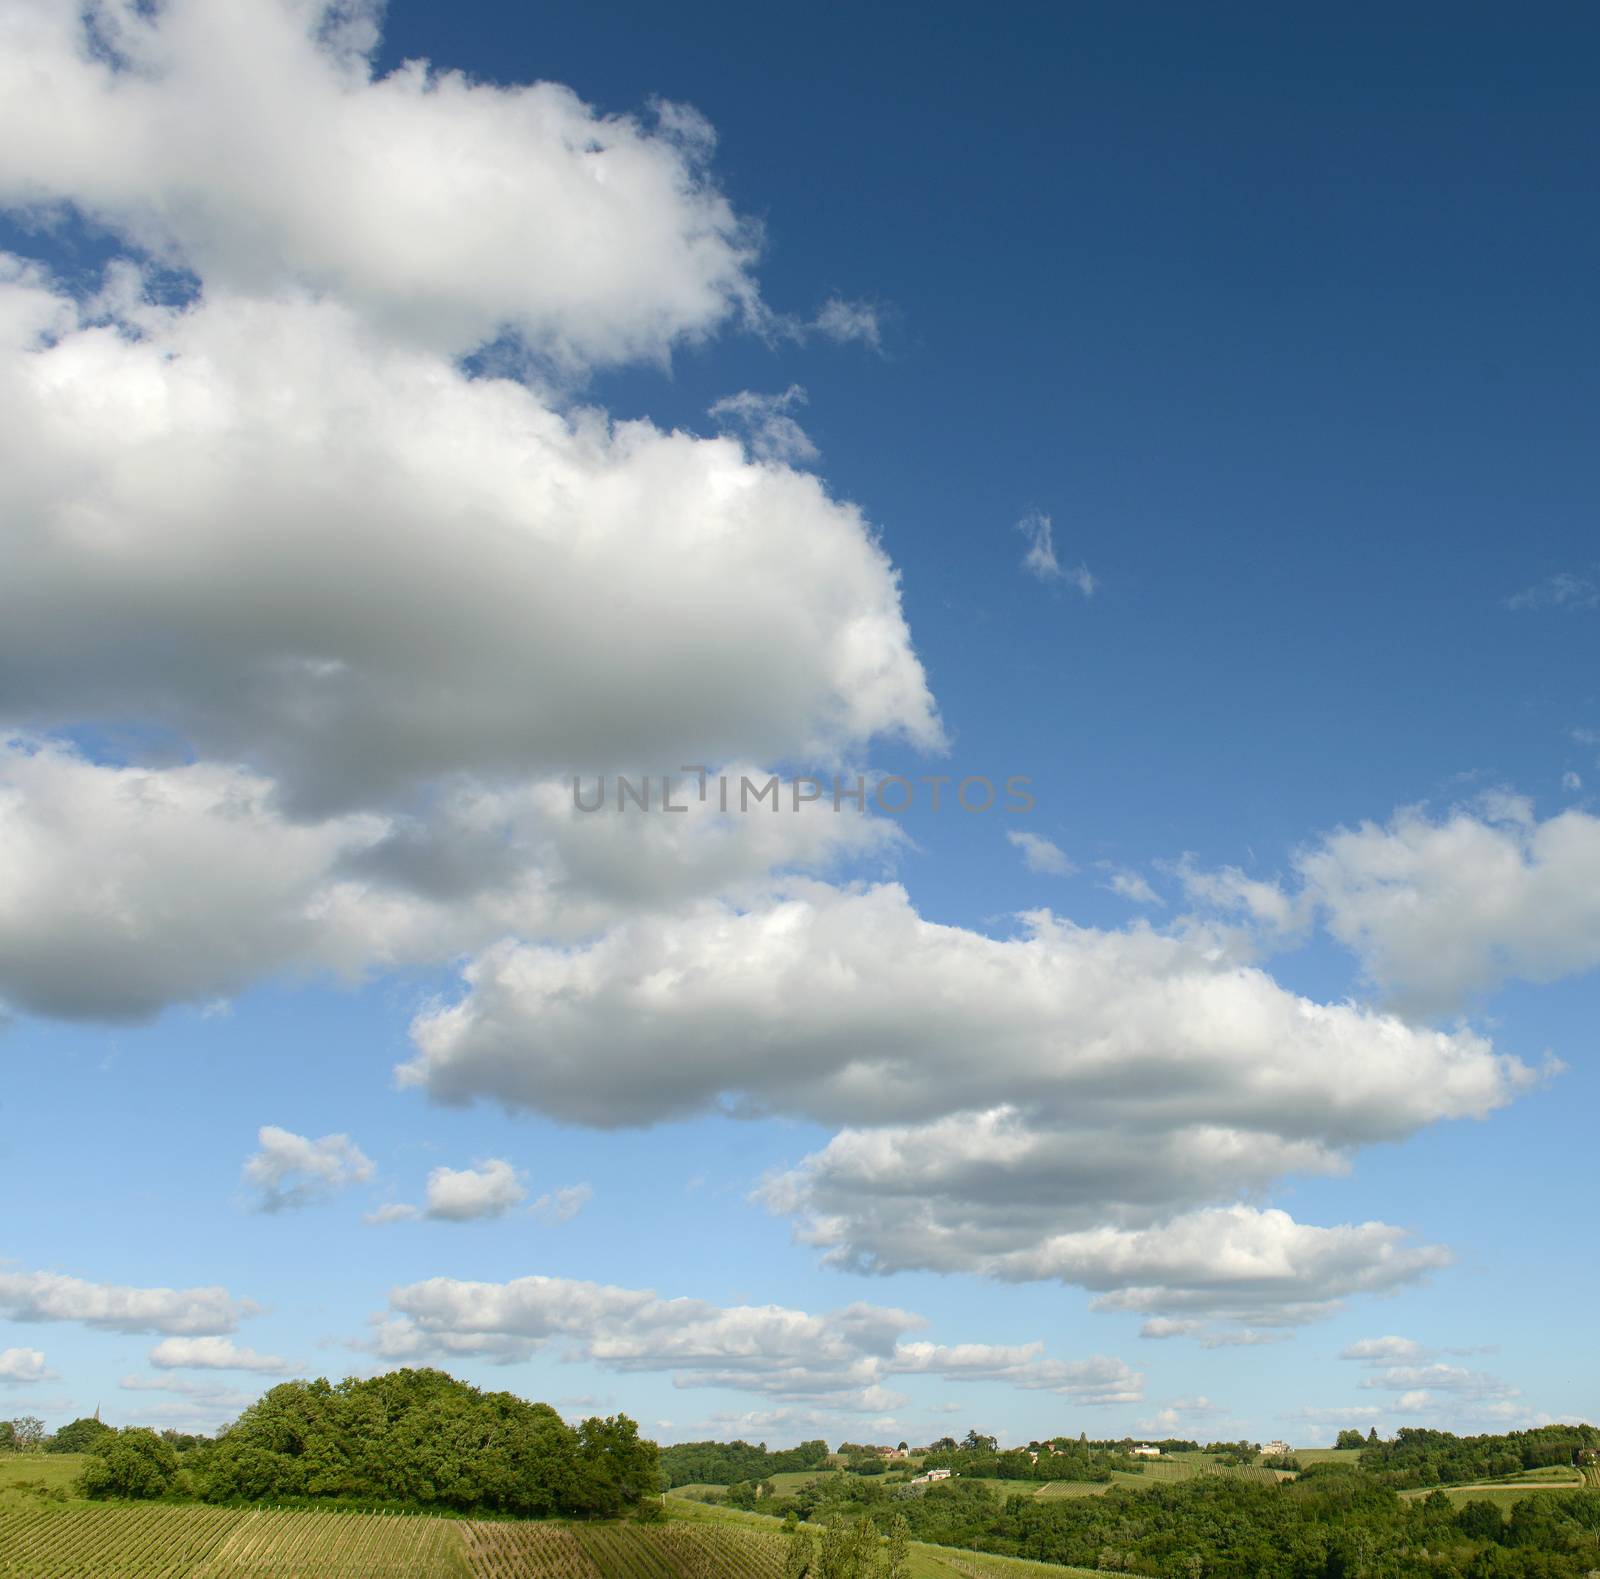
x: 1144, y: 1450
x: 932, y: 1474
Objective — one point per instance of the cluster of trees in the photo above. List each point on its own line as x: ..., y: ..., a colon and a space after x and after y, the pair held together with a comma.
x: 1354, y: 1439
x: 413, y: 1438
x: 1334, y: 1522
x: 26, y: 1434
x: 79, y: 1436
x: 1417, y: 1457
x: 849, y: 1550
x: 978, y: 1457
x: 723, y: 1463
x: 1167, y: 1444
x: 1234, y: 1453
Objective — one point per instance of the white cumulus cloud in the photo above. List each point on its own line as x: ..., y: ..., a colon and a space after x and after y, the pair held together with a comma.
x: 292, y: 1170
x: 445, y: 210
x: 18, y: 1366
x: 216, y: 1354
x: 1050, y: 1156
x: 114, y: 1307
x: 487, y: 1189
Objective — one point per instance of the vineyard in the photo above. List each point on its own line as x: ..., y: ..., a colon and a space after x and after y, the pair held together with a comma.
x: 1254, y: 1473
x: 209, y: 1543
x: 161, y: 1542
x: 621, y: 1551
x: 683, y: 1552
x: 1053, y: 1489
x: 511, y: 1551
x: 46, y: 1543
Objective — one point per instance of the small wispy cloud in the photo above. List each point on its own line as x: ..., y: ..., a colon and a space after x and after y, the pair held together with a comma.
x: 1130, y: 885
x: 1041, y: 562
x: 1042, y: 855
x: 561, y: 1206
x: 1564, y: 590
x: 769, y: 432
x: 843, y: 321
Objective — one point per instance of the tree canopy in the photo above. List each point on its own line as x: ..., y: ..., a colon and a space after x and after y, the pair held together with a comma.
x: 77, y: 1437
x: 132, y: 1462
x: 422, y: 1438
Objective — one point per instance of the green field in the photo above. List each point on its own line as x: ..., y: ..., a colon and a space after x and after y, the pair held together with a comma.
x: 1327, y: 1455
x: 1502, y: 1493
x: 793, y: 1480
x: 54, y: 1471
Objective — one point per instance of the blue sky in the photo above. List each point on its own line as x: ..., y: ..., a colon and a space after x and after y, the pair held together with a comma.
x: 363, y: 483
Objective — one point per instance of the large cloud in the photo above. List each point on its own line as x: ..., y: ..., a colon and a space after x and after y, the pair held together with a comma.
x: 259, y: 526
x: 845, y: 1357
x: 919, y: 1021
x: 251, y: 143
x: 1065, y: 1104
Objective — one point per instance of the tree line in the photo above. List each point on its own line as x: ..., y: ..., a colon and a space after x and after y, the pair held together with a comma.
x: 1417, y: 1457
x: 724, y: 1463
x: 1333, y: 1522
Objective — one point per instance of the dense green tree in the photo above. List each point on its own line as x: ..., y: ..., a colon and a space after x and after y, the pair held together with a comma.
x: 616, y: 1466
x: 132, y: 1462
x: 863, y: 1560
x: 800, y: 1558
x: 422, y: 1438
x: 897, y: 1554
x: 835, y: 1553
x: 1350, y: 1439
x: 78, y: 1437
